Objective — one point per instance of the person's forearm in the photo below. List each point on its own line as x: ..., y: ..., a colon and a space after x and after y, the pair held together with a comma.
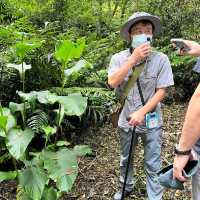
x: 152, y: 103
x: 117, y: 77
x: 191, y: 127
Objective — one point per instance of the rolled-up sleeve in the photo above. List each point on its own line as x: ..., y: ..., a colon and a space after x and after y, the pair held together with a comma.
x: 114, y: 65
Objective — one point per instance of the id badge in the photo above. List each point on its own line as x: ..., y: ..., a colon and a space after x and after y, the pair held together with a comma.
x: 152, y: 120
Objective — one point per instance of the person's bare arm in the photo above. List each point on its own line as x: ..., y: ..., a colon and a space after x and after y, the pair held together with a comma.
x: 138, y: 54
x: 190, y: 134
x: 191, y: 127
x: 137, y: 117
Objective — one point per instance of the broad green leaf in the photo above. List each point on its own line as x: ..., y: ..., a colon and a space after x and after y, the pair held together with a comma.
x: 44, y: 97
x: 7, y: 121
x: 66, y: 50
x: 81, y: 64
x: 3, y: 122
x: 82, y: 150
x: 65, y: 163
x: 33, y: 181
x: 19, y: 67
x: 23, y: 48
x: 49, y: 194
x: 62, y: 143
x: 8, y: 175
x: 74, y: 104
x: 18, y: 140
x: 63, y: 51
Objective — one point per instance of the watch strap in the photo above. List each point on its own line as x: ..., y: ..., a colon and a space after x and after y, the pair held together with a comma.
x: 180, y: 152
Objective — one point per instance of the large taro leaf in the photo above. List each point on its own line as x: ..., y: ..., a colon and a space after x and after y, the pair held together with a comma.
x: 18, y: 140
x: 11, y: 175
x: 49, y: 194
x: 44, y: 97
x: 74, y: 104
x: 62, y: 167
x: 66, y: 50
x: 33, y: 181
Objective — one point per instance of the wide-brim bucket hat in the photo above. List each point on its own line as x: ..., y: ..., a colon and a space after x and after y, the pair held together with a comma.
x: 139, y: 16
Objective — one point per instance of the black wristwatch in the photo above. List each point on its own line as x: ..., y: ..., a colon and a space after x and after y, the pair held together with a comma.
x: 179, y: 152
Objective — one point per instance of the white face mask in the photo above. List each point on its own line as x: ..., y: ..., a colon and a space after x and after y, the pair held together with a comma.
x: 137, y: 40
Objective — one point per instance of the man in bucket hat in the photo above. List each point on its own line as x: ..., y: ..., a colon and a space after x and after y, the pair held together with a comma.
x: 154, y: 79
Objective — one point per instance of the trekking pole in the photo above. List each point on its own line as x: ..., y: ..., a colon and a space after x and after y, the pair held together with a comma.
x: 129, y: 160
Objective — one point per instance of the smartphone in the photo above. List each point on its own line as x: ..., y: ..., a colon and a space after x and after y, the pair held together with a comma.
x: 180, y: 44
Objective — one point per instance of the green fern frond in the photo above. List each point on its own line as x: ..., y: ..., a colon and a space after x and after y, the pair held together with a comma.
x: 37, y: 120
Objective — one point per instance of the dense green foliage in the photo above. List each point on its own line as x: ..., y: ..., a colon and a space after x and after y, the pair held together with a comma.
x: 53, y: 80
x: 99, y: 22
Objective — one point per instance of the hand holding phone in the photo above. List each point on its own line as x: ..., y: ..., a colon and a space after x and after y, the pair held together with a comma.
x: 180, y: 44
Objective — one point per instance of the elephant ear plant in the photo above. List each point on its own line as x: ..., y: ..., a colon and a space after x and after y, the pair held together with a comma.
x: 65, y: 52
x: 49, y: 172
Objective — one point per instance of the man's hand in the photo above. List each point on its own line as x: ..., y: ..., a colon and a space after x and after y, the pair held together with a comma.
x: 194, y: 48
x: 140, y: 53
x: 179, y: 163
x: 136, y: 118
